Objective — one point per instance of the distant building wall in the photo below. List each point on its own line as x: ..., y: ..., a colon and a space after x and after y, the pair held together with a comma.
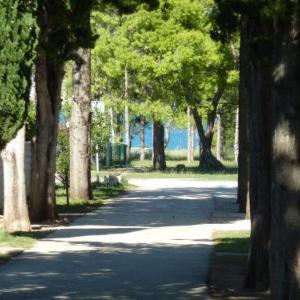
x: 27, y: 174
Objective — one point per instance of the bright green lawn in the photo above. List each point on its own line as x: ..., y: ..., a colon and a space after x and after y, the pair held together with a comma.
x: 143, y: 170
x: 232, y: 241
x: 15, y: 240
x: 100, y: 193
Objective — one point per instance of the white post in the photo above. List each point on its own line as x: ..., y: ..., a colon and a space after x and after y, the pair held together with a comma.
x: 97, y: 164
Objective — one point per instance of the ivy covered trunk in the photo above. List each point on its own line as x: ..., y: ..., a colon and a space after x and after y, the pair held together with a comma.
x: 49, y: 76
x: 285, y: 276
x: 80, y: 186
x: 258, y: 79
x: 16, y: 216
x: 159, y: 158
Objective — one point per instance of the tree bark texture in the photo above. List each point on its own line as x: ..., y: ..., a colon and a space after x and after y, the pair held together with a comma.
x: 142, y: 138
x: 220, y: 139
x: 243, y: 120
x: 285, y: 241
x: 212, y: 114
x: 236, y: 137
x: 112, y: 126
x: 257, y: 83
x: 190, y: 156
x: 167, y: 136
x: 127, y: 133
x: 159, y: 158
x: 49, y: 76
x: 119, y: 132
x: 16, y: 215
x: 208, y: 162
x: 80, y: 154
x: 127, y: 117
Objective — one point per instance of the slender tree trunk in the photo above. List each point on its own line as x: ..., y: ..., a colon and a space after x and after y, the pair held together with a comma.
x: 236, y: 137
x: 127, y: 134
x: 207, y: 160
x: 80, y: 185
x: 119, y: 134
x: 258, y: 87
x: 285, y: 266
x: 112, y: 126
x: 190, y: 156
x: 49, y: 76
x: 220, y: 138
x: 212, y: 114
x: 142, y: 138
x: 167, y: 136
x: 159, y: 159
x: 1, y: 186
x: 16, y: 216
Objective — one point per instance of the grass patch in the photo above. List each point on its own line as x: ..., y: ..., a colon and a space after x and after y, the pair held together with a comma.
x: 144, y: 170
x: 11, y: 241
x: 4, y: 258
x: 16, y: 240
x: 187, y: 175
x: 100, y: 193
x: 232, y: 241
x: 229, y: 266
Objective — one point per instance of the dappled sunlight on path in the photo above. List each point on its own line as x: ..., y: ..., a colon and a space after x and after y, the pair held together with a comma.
x: 153, y: 243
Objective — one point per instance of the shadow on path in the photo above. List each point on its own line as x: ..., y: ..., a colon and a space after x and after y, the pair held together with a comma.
x: 151, y: 244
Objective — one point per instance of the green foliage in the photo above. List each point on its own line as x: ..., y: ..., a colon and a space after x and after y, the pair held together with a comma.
x: 17, y: 50
x: 30, y: 122
x: 168, y: 53
x: 63, y: 156
x: 64, y: 26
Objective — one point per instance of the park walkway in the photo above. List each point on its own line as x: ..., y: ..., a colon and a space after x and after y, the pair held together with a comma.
x: 153, y: 243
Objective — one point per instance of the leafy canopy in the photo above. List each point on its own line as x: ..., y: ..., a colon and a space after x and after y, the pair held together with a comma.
x: 17, y: 50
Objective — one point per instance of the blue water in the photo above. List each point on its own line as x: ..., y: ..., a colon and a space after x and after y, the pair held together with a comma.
x: 178, y: 139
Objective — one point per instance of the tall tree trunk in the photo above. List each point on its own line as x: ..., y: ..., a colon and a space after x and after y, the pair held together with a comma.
x: 207, y: 160
x: 167, y: 136
x: 80, y: 185
x: 49, y: 76
x: 258, y: 86
x: 16, y: 216
x: 190, y: 156
x: 220, y: 138
x: 159, y: 158
x: 285, y: 275
x: 112, y: 126
x: 119, y: 126
x: 1, y: 186
x: 236, y: 137
x: 142, y: 138
x: 243, y: 121
x: 126, y: 117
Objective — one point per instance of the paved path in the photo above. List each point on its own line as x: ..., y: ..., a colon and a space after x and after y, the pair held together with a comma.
x: 153, y: 244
